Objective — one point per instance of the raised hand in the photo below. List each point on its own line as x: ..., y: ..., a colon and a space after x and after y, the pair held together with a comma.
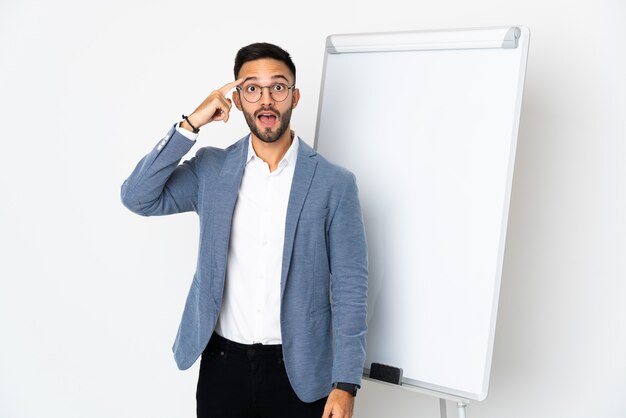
x: 215, y: 107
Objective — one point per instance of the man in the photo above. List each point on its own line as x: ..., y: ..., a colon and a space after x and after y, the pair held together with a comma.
x: 277, y: 306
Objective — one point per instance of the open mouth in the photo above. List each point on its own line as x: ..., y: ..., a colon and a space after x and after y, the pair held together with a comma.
x: 267, y: 119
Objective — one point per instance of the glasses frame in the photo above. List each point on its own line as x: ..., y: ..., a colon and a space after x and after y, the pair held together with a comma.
x: 240, y: 90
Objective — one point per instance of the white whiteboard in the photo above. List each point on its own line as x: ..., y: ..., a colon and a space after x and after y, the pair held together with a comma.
x: 428, y: 123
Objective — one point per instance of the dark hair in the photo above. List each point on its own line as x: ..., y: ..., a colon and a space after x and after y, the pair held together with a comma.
x: 262, y: 50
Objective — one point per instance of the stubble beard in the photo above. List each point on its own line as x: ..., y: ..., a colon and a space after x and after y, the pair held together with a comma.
x: 267, y: 135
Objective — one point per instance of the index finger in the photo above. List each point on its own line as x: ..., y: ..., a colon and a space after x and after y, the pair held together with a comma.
x: 228, y: 87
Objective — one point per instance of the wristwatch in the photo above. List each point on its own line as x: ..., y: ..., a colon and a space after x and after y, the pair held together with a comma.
x: 348, y: 387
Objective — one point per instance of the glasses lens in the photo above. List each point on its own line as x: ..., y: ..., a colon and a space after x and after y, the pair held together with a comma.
x: 252, y: 93
x: 279, y: 91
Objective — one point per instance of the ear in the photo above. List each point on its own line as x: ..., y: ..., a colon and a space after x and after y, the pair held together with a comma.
x: 237, y: 99
x: 295, y: 98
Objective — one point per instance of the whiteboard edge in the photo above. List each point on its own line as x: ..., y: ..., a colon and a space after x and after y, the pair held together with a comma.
x: 525, y: 40
x: 501, y: 37
x: 442, y: 394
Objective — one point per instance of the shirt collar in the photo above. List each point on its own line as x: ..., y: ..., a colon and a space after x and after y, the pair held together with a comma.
x: 289, y: 158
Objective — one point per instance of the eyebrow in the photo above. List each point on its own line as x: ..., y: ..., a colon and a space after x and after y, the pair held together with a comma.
x: 274, y: 77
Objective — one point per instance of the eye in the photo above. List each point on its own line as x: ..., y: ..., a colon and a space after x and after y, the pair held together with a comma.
x: 252, y: 88
x: 279, y: 87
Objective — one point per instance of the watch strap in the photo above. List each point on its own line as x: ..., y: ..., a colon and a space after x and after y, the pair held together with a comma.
x: 348, y: 387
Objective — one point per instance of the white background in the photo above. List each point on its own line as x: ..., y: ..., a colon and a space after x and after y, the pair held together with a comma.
x: 91, y: 295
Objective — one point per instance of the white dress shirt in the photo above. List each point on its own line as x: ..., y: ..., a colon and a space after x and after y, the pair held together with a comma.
x: 251, y: 303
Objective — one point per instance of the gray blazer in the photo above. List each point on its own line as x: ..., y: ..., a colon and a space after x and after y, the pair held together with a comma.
x: 324, y: 267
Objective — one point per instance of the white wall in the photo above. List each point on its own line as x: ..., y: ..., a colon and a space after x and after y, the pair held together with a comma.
x: 91, y: 295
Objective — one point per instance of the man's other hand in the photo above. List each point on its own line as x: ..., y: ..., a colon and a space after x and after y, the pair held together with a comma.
x: 340, y: 404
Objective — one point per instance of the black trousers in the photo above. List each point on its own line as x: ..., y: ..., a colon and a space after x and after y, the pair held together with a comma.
x: 248, y: 381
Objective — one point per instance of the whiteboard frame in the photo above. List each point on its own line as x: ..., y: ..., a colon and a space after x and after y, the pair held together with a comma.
x: 498, y: 37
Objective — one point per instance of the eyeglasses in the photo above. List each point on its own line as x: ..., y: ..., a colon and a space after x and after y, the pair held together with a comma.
x: 278, y: 91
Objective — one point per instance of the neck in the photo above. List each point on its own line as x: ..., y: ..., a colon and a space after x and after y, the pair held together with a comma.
x: 272, y: 152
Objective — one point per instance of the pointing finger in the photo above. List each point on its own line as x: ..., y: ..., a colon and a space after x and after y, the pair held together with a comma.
x: 228, y: 87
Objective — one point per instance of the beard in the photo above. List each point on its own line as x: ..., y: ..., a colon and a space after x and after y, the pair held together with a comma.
x: 266, y: 135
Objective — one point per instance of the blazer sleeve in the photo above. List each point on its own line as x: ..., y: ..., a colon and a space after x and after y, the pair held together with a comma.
x: 349, y: 275
x: 159, y: 185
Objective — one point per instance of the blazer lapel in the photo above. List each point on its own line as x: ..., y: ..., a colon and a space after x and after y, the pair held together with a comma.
x: 302, y: 177
x: 226, y: 193
x: 229, y: 180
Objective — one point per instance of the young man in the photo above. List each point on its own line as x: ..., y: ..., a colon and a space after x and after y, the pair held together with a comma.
x: 277, y: 306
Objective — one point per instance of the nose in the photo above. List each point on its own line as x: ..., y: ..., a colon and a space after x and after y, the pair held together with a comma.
x: 266, y: 97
